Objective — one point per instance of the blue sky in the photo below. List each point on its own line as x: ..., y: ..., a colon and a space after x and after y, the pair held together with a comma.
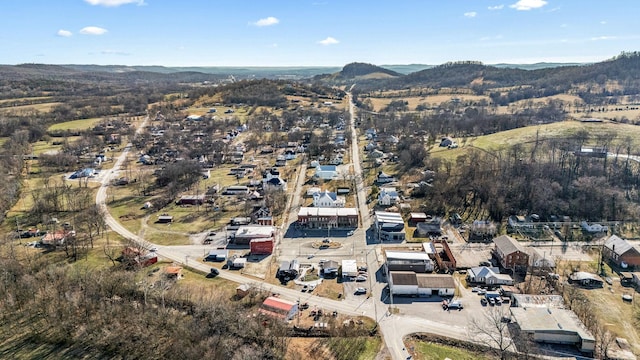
x: 314, y: 32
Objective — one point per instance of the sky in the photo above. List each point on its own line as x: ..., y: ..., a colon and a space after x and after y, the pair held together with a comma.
x: 314, y: 32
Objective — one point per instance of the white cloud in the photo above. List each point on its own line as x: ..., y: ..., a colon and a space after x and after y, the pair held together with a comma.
x: 328, y: 41
x: 496, y: 7
x: 92, y: 30
x: 597, y: 38
x: 470, y: 14
x: 603, y: 22
x: 564, y: 25
x: 114, y: 3
x: 268, y: 21
x: 525, y: 5
x: 64, y: 33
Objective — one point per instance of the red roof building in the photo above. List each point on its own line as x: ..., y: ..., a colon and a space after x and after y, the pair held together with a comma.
x: 276, y: 307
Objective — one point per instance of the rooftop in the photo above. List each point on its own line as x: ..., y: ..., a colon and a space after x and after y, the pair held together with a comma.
x: 508, y: 245
x: 542, y: 319
x: 255, y: 231
x: 403, y: 277
x: 435, y: 281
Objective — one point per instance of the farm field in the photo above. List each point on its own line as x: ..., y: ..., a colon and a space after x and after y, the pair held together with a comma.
x: 43, y: 107
x: 497, y: 141
x: 380, y: 103
x: 81, y: 124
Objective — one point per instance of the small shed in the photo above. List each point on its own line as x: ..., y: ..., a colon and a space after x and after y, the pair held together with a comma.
x: 173, y: 272
x: 243, y: 290
x: 165, y: 219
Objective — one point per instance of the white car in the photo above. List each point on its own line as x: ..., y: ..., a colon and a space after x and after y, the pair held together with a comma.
x: 350, y: 233
x: 153, y: 249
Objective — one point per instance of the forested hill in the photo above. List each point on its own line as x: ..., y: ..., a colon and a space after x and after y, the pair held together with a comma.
x: 60, y: 72
x: 624, y: 68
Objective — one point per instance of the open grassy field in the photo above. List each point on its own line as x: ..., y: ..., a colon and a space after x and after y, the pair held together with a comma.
x: 620, y: 317
x: 81, y: 124
x: 35, y: 98
x: 379, y: 103
x: 528, y: 134
x: 423, y: 350
x: 43, y: 107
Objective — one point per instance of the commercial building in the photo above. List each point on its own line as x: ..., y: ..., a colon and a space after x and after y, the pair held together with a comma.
x: 349, y: 268
x: 246, y: 233
x: 554, y: 326
x: 261, y: 246
x: 418, y: 262
x: 510, y: 253
x: 322, y: 218
x: 621, y: 253
x: 389, y: 226
x: 408, y: 283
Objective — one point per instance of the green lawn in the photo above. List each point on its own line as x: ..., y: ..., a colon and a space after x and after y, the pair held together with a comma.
x: 431, y: 351
x: 81, y: 124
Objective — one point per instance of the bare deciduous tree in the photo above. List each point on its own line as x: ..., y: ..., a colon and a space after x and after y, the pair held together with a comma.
x: 490, y: 329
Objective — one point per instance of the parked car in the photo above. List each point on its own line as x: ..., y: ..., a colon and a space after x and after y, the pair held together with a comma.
x: 326, y: 241
x: 455, y: 305
x: 362, y: 268
x: 361, y: 278
x: 310, y: 256
x: 305, y: 288
x: 304, y: 306
x: 350, y: 233
x: 360, y: 291
x: 484, y: 302
x: 492, y: 301
x: 312, y: 287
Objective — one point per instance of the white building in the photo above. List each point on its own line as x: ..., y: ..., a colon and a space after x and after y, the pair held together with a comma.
x: 388, y: 196
x: 349, y: 268
x: 326, y: 172
x: 328, y: 199
x: 408, y: 283
x: 488, y: 275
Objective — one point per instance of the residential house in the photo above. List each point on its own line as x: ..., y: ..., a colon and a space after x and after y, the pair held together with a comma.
x: 383, y: 178
x: 593, y: 229
x: 388, y: 196
x: 621, y: 253
x: 431, y: 226
x: 510, y: 253
x: 586, y: 279
x: 488, y: 276
x: 540, y: 260
x: 326, y: 172
x: 328, y: 199
x: 482, y: 231
x: 56, y: 238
